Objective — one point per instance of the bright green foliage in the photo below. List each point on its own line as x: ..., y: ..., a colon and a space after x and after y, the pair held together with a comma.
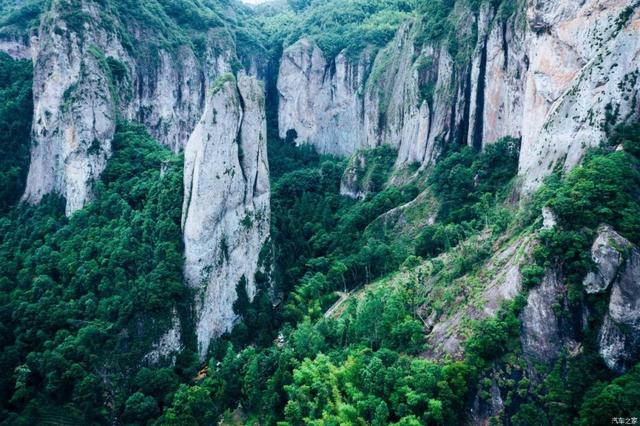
x: 604, y: 189
x: 86, y: 296
x: 360, y: 367
x: 82, y: 299
x: 16, y: 111
x: 493, y: 337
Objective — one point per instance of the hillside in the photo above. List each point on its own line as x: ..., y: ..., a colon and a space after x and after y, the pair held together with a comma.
x: 338, y: 212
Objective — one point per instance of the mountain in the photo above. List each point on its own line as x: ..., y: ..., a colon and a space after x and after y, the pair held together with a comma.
x: 319, y: 212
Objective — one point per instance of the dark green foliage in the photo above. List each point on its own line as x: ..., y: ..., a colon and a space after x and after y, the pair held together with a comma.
x: 619, y: 398
x: 468, y: 186
x: 285, y: 156
x: 319, y: 234
x: 440, y: 23
x: 435, y: 15
x: 19, y: 16
x: 16, y: 112
x: 606, y: 189
x: 532, y: 275
x: 83, y: 298
x: 628, y: 136
x: 353, y: 25
x: 359, y: 368
x: 378, y: 164
x: 461, y: 178
x: 493, y: 337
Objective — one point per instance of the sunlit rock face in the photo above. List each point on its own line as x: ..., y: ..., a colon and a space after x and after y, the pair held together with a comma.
x: 226, y: 206
x: 321, y: 100
x: 557, y: 74
x: 74, y: 110
x: 581, y: 79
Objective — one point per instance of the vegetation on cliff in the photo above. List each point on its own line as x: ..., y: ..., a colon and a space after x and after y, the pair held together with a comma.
x: 336, y: 334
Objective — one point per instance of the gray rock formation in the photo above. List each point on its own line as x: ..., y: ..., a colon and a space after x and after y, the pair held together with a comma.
x: 78, y: 95
x: 555, y: 74
x: 620, y: 333
x: 74, y: 111
x: 608, y: 251
x: 169, y: 345
x: 549, y: 219
x: 502, y: 279
x: 16, y: 47
x: 542, y: 338
x: 617, y: 265
x: 84, y: 79
x: 579, y: 80
x: 351, y: 184
x: 226, y: 206
x: 321, y: 101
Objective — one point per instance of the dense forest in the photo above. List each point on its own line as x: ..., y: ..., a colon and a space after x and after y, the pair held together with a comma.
x: 338, y: 330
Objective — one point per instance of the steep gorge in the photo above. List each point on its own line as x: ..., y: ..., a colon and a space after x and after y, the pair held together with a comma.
x: 89, y: 76
x: 557, y: 76
x: 550, y: 73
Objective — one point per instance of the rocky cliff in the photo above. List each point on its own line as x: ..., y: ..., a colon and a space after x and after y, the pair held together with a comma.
x: 226, y: 206
x: 74, y: 110
x: 88, y: 74
x: 617, y: 272
x: 556, y: 74
x: 322, y: 100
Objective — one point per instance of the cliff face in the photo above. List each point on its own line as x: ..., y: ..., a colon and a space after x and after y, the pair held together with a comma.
x: 556, y: 74
x: 320, y: 100
x: 86, y: 76
x: 226, y: 206
x: 582, y: 78
x: 546, y: 334
x: 74, y: 111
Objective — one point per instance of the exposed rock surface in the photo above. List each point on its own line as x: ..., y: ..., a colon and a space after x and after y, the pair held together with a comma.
x: 582, y: 77
x: 542, y: 337
x: 617, y: 265
x: 502, y: 279
x: 226, y: 206
x: 546, y: 333
x: 607, y: 253
x: 353, y: 183
x: 169, y: 344
x: 322, y: 101
x: 555, y: 74
x: 16, y: 47
x: 549, y: 219
x: 74, y: 112
x: 85, y: 78
x: 350, y: 185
